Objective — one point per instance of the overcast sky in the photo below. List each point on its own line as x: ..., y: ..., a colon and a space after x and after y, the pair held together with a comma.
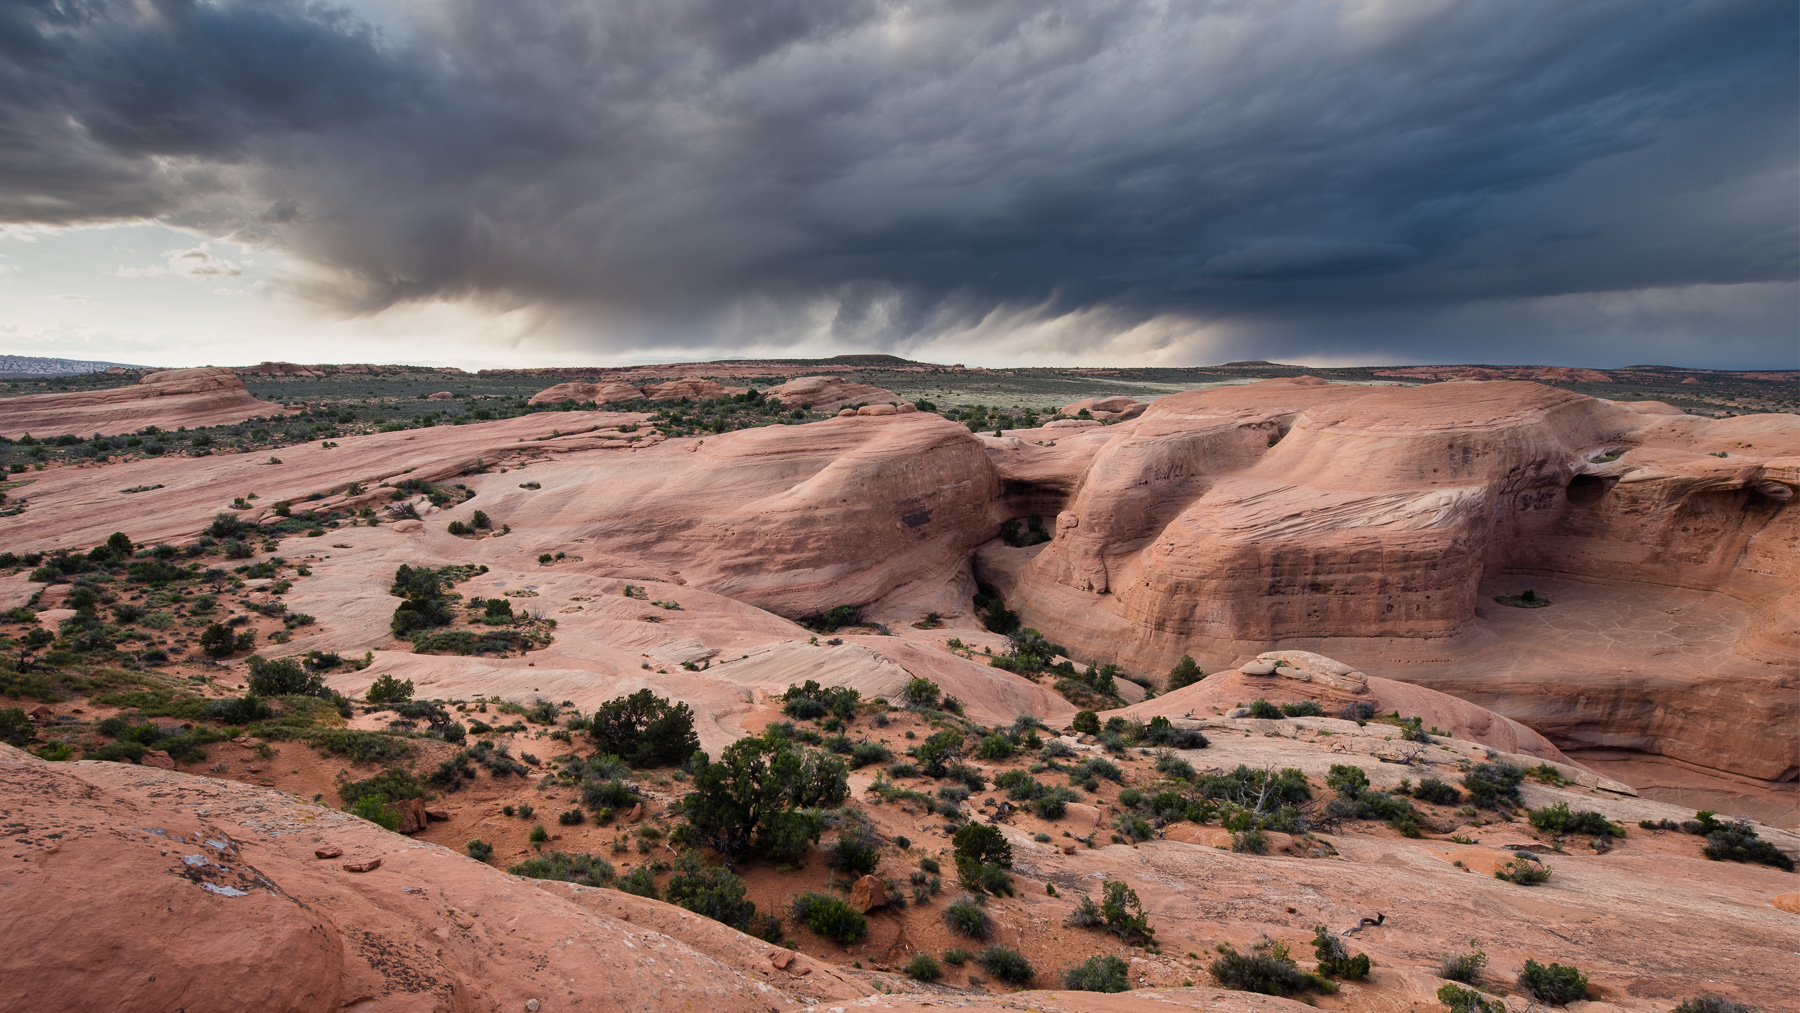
x: 519, y: 182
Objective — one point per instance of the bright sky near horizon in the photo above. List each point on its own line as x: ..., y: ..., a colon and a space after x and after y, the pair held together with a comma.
x: 540, y: 182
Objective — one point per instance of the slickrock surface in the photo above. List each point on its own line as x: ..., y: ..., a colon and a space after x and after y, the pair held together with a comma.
x: 1377, y: 525
x: 204, y: 396
x: 1371, y: 524
x: 829, y: 393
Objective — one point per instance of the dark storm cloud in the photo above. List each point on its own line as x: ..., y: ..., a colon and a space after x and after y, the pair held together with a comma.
x: 1346, y: 178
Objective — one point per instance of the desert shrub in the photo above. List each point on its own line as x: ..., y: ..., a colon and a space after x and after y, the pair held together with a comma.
x: 1437, y: 792
x: 585, y: 869
x: 856, y: 851
x: 716, y: 893
x: 15, y: 727
x: 640, y: 881
x: 1359, y: 711
x: 1464, y: 967
x: 1054, y: 805
x: 387, y: 689
x: 921, y: 692
x: 902, y: 769
x: 1170, y: 765
x: 283, y: 677
x: 479, y: 850
x: 1712, y: 1004
x: 1347, y: 780
x: 1007, y: 964
x: 1523, y: 871
x: 1087, y: 722
x: 1555, y: 984
x: 1560, y: 819
x: 1133, y: 827
x: 572, y: 817
x: 1160, y: 731
x: 1096, y: 766
x: 1303, y: 709
x: 1738, y: 842
x: 1185, y: 673
x: 956, y: 956
x: 982, y: 856
x: 1457, y: 999
x: 812, y: 702
x: 1098, y: 973
x: 924, y: 967
x: 761, y: 790
x: 965, y: 917
x: 830, y: 917
x: 375, y: 811
x: 391, y: 785
x: 645, y: 730
x: 1250, y: 842
x: 866, y: 753
x: 216, y: 641
x: 1266, y: 710
x: 1334, y: 960
x: 938, y: 751
x: 1123, y: 913
x: 994, y: 747
x: 1491, y: 785
x: 538, y: 834
x: 1269, y: 972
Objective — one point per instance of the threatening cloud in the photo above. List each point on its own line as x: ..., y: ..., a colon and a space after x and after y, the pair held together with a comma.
x: 1359, y: 178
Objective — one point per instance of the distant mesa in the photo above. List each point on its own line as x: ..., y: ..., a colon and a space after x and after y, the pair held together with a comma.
x: 170, y: 399
x: 25, y: 366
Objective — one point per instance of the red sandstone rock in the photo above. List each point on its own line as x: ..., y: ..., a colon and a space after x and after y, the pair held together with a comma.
x: 206, y: 396
x: 868, y: 893
x: 158, y: 758
x: 366, y: 865
x: 599, y: 393
x: 828, y: 393
x: 329, y: 851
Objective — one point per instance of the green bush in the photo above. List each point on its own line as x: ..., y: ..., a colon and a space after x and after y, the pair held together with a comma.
x: 982, y: 855
x: 994, y: 747
x: 640, y: 881
x: 921, y: 692
x: 758, y: 791
x: 830, y: 917
x: 1087, y: 722
x: 1492, y: 785
x: 716, y: 893
x: 924, y: 967
x: 1457, y: 999
x: 1303, y: 709
x: 645, y: 730
x: 1124, y: 913
x: 1437, y: 792
x: 1334, y: 960
x: 1006, y: 964
x: 1347, y: 780
x: 1738, y: 842
x: 856, y: 851
x: 375, y: 811
x: 387, y: 689
x: 1523, y: 871
x: 1555, y: 984
x: 1185, y: 673
x: 1098, y: 973
x: 1269, y: 972
x: 1464, y: 967
x: 480, y: 850
x: 1266, y: 710
x: 216, y: 641
x: 391, y: 785
x: 283, y: 677
x: 965, y: 917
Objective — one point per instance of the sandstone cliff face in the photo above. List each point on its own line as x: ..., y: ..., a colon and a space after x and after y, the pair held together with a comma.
x: 205, y: 396
x: 1234, y: 519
